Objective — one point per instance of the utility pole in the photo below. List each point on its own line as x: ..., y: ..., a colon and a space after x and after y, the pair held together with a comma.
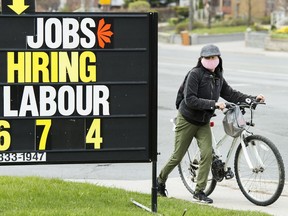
x: 191, y: 14
x: 249, y: 12
x: 209, y: 9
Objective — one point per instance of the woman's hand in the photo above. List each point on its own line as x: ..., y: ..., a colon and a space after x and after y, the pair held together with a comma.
x: 260, y: 98
x: 220, y: 105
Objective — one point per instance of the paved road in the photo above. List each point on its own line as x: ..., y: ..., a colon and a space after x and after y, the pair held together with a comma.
x: 248, y: 70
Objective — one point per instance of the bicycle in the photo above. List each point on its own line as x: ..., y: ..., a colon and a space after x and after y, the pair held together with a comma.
x: 258, y: 165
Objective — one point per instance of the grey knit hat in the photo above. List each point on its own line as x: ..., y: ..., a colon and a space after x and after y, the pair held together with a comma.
x: 210, y: 50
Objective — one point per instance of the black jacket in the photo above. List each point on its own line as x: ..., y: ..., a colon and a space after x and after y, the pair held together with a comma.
x: 202, y: 90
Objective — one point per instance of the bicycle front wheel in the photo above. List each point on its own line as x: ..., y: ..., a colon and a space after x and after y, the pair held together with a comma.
x: 188, y: 169
x: 263, y: 184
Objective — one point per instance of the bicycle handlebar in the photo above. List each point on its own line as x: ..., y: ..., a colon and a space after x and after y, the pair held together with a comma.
x: 251, y: 104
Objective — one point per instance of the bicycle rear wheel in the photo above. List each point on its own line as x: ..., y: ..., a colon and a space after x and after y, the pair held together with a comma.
x: 188, y: 170
x: 263, y: 184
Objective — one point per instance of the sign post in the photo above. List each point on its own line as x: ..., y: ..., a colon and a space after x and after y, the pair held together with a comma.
x: 77, y: 87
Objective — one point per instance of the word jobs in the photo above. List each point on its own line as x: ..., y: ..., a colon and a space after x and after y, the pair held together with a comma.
x: 63, y: 33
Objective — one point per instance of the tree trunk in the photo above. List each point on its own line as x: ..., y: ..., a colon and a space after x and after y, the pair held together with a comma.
x: 249, y: 12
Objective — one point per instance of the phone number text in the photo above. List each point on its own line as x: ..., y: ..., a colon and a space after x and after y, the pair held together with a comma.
x: 22, y: 157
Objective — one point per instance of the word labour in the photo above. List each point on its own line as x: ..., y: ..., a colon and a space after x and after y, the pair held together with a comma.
x: 61, y: 100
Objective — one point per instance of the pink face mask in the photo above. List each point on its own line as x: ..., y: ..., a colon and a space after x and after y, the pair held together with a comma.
x: 210, y: 64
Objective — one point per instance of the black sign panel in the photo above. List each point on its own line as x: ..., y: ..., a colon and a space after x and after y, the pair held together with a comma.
x: 18, y: 6
x: 78, y: 88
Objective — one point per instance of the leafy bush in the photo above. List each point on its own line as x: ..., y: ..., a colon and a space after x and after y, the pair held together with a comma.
x: 165, y: 13
x: 173, y: 21
x: 198, y: 24
x: 182, y: 12
x: 183, y: 26
x: 266, y: 20
x: 139, y: 6
x: 231, y: 22
x: 259, y: 27
x: 282, y: 30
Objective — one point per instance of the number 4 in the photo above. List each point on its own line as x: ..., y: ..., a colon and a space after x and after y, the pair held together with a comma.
x: 94, y: 134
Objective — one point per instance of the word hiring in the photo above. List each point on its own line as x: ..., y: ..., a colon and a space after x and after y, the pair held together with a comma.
x: 66, y: 33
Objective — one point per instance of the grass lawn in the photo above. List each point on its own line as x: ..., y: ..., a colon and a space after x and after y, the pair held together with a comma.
x: 220, y: 30
x: 279, y: 36
x: 33, y: 196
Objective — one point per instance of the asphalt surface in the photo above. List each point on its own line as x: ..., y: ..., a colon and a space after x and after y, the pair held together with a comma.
x: 227, y: 194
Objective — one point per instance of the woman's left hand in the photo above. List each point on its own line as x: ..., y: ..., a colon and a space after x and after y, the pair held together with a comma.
x: 260, y: 98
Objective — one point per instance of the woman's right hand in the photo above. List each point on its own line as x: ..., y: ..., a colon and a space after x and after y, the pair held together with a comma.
x: 220, y: 105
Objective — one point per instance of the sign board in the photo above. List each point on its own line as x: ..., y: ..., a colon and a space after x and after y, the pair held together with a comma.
x: 77, y: 87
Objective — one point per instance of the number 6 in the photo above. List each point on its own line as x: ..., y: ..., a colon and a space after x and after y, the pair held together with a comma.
x: 5, y: 137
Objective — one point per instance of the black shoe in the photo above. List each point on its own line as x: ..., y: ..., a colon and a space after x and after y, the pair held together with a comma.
x: 161, y: 189
x: 200, y: 196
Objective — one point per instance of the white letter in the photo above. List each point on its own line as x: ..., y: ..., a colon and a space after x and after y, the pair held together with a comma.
x: 53, y: 30
x: 7, y: 112
x: 80, y: 100
x: 70, y: 36
x: 66, y: 94
x: 86, y: 31
x: 48, y: 106
x: 28, y: 102
x: 100, y: 100
x: 39, y: 36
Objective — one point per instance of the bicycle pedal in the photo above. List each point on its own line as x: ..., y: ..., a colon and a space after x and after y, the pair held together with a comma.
x: 229, y: 174
x: 195, y: 164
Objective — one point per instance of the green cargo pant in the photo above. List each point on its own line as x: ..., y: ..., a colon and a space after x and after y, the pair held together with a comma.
x: 184, y: 133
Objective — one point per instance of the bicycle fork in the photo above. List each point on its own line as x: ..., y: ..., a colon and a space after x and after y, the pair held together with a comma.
x: 244, y: 135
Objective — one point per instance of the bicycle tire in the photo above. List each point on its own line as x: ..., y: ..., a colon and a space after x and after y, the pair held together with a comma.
x: 262, y: 185
x: 188, y: 174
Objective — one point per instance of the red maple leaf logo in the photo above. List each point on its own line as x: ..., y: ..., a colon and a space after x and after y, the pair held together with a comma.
x: 103, y: 33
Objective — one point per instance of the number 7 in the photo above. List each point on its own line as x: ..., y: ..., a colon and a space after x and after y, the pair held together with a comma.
x: 47, y: 125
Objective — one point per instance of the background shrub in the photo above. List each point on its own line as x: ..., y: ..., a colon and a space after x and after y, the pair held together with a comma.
x: 139, y: 6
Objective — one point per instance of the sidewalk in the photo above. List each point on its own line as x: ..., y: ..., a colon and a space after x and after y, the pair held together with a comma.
x: 226, y: 47
x: 224, y: 196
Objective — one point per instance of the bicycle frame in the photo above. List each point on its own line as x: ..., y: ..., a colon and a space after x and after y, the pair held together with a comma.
x: 245, y: 133
x: 216, y: 145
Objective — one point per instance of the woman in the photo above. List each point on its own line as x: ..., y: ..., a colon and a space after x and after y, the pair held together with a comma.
x: 202, y: 87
